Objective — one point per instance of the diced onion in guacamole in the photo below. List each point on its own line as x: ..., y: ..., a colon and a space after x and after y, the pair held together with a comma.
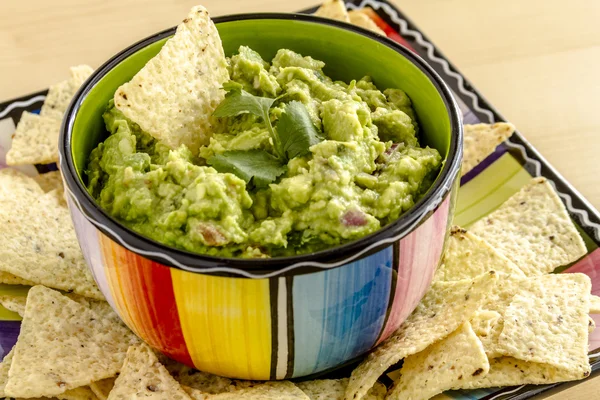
x: 334, y: 162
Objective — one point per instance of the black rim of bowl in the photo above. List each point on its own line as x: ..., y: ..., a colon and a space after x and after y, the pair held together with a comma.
x: 439, y: 190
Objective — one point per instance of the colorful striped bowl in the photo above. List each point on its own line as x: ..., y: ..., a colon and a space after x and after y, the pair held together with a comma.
x: 282, y: 317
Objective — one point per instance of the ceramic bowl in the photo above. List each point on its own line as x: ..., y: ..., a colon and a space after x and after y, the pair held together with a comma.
x: 281, y: 317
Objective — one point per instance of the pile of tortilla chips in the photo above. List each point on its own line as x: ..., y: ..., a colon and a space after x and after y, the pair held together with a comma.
x: 494, y: 315
x: 525, y: 326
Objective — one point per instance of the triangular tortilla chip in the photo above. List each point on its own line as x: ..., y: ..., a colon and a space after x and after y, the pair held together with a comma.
x: 442, y: 366
x: 50, y: 181
x: 488, y: 321
x: 594, y: 304
x: 80, y: 73
x: 143, y: 376
x: 359, y: 18
x: 39, y: 242
x: 174, y: 95
x: 81, y: 393
x: 35, y: 141
x: 4, y: 368
x: 481, y: 140
x: 276, y: 390
x: 334, y: 389
x: 445, y: 307
x: 64, y: 345
x: 533, y: 230
x: 16, y: 185
x: 508, y: 371
x: 103, y: 387
x: 547, y: 322
x: 468, y: 256
x: 11, y: 279
x: 334, y: 9
x: 60, y: 95
x: 194, y: 379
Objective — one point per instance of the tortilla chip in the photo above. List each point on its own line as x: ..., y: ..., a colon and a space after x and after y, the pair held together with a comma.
x: 334, y: 389
x: 508, y: 371
x: 16, y: 185
x: 144, y: 376
x: 445, y: 307
x: 56, y: 102
x: 39, y: 243
x: 16, y: 303
x: 11, y: 279
x: 533, y: 230
x: 16, y: 188
x: 64, y: 345
x: 488, y: 321
x: 481, y: 140
x: 194, y: 379
x: 236, y: 386
x: 4, y: 368
x: 60, y: 95
x: 468, y: 256
x: 594, y: 304
x: 359, y: 18
x: 13, y: 303
x: 485, y: 324
x: 103, y: 387
x: 547, y: 322
x: 442, y: 366
x: 81, y: 393
x: 50, y: 181
x: 275, y: 390
x: 80, y: 73
x: 174, y: 95
x: 35, y: 141
x: 334, y: 9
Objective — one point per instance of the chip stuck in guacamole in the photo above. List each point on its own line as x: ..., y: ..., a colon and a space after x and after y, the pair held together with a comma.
x: 261, y: 159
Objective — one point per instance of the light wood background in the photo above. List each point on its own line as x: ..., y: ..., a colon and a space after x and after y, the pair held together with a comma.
x: 537, y: 61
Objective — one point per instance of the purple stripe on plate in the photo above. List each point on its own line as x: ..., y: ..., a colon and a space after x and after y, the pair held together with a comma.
x: 9, y: 332
x: 486, y: 162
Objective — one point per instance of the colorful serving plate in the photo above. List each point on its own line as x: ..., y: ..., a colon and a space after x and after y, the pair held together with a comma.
x: 482, y: 190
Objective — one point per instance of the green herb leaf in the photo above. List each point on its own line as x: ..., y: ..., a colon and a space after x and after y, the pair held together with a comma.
x: 239, y: 101
x: 296, y: 130
x: 256, y: 167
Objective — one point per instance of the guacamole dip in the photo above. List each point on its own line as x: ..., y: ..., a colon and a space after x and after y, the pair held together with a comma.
x: 297, y: 163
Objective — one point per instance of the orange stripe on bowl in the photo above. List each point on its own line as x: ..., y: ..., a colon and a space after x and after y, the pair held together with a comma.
x: 143, y: 291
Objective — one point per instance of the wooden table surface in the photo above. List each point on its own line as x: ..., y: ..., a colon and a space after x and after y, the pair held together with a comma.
x: 536, y: 61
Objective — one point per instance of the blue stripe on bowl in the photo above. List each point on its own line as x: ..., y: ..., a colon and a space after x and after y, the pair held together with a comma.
x: 347, y: 321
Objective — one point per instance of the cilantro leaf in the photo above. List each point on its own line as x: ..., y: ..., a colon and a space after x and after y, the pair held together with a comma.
x: 256, y: 167
x: 239, y: 101
x: 296, y: 130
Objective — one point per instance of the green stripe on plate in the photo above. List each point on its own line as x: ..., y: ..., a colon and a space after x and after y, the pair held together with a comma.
x: 488, y: 190
x: 12, y: 290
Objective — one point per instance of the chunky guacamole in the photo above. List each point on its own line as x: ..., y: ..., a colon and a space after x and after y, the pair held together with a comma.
x: 297, y: 163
